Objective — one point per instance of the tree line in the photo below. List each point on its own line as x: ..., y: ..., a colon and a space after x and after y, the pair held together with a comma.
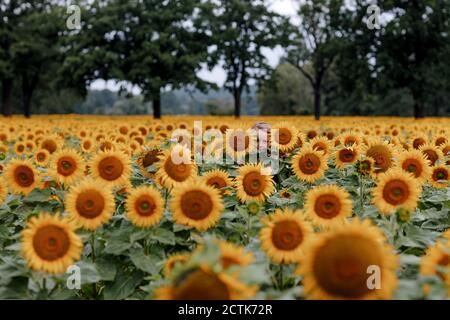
x: 334, y: 55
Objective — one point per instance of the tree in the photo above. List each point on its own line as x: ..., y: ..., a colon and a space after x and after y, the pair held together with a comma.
x: 286, y: 93
x: 411, y: 45
x: 241, y: 30
x: 316, y: 42
x: 29, y: 35
x: 152, y: 44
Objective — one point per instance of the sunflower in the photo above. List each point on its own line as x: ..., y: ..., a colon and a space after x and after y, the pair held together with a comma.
x: 233, y: 255
x: 238, y: 142
x: 147, y: 158
x: 321, y: 144
x: 218, y: 179
x: 396, y: 189
x: 418, y: 141
x: 19, y: 148
x: 87, y: 145
x: 350, y: 139
x: 436, y: 262
x: 90, y: 204
x: 111, y: 167
x: 439, y: 176
x: 416, y: 163
x: 345, y: 156
x: 41, y: 157
x: 21, y: 176
x: 336, y: 264
x: 3, y: 190
x: 309, y: 165
x: 286, y: 138
x: 365, y: 166
x: 173, y: 260
x: 440, y: 140
x: 50, y: 244
x: 382, y: 153
x: 284, y: 235
x: 328, y: 205
x: 201, y: 283
x: 253, y: 183
x: 286, y: 193
x: 66, y: 166
x: 176, y: 167
x: 144, y: 206
x: 432, y: 153
x: 51, y: 143
x: 197, y: 205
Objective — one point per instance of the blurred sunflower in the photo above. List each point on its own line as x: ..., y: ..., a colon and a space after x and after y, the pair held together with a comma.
x: 284, y: 235
x: 3, y: 190
x: 321, y: 144
x: 51, y: 143
x: 197, y: 205
x: 396, y: 189
x: 201, y: 283
x: 50, y: 244
x: 328, y: 205
x: 173, y: 260
x: 414, y: 162
x: 147, y: 158
x: 90, y: 204
x: 336, y: 263
x: 432, y: 153
x: 234, y: 255
x: 382, y: 153
x: 144, y: 206
x: 87, y: 145
x: 42, y: 157
x: 345, y: 156
x: 436, y: 262
x: 286, y: 139
x: 439, y: 177
x: 21, y: 176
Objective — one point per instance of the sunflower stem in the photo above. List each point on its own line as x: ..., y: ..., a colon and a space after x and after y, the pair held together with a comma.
x: 280, y: 279
x: 361, y: 192
x: 94, y: 285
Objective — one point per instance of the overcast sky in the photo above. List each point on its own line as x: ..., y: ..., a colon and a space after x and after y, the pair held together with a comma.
x: 217, y: 75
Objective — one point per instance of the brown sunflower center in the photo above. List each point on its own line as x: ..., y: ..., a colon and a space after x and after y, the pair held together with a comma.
x: 382, y: 157
x: 431, y: 155
x: 150, y: 158
x: 287, y: 235
x: 439, y: 141
x: 110, y: 168
x: 418, y: 142
x: 51, y: 242
x: 196, y: 204
x: 440, y: 174
x: 66, y: 166
x: 412, y: 166
x: 309, y: 163
x: 284, y: 136
x: 24, y: 176
x: 253, y: 183
x: 396, y: 192
x: 41, y: 156
x: 320, y: 146
x: 145, y: 205
x: 87, y: 145
x: 216, y: 182
x: 340, y: 265
x: 347, y: 155
x: 327, y: 206
x: 199, y: 285
x: 90, y: 204
x: 178, y: 172
x: 49, y: 145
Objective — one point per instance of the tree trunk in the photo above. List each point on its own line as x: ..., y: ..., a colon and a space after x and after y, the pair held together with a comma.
x: 418, y: 109
x: 237, y: 104
x: 317, y: 102
x: 157, y: 105
x: 26, y: 104
x: 7, y: 88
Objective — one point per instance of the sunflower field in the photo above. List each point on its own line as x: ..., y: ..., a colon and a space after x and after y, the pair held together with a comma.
x: 102, y: 208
